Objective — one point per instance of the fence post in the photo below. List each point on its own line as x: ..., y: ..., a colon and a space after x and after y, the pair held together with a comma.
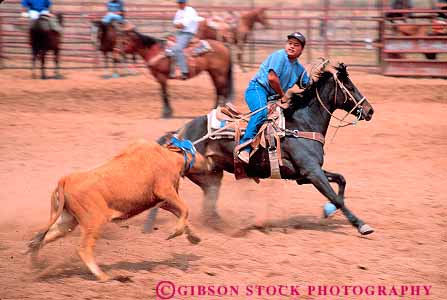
x: 325, y: 36
x: 1, y: 43
x: 309, y: 38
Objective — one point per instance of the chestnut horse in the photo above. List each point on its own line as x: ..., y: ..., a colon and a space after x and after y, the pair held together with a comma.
x: 236, y: 34
x: 216, y: 62
x: 42, y: 39
x: 104, y: 37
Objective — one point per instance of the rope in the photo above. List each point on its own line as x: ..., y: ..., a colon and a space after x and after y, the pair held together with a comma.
x: 243, y: 117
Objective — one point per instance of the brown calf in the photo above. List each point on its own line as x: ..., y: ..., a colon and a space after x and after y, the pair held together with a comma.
x: 142, y: 176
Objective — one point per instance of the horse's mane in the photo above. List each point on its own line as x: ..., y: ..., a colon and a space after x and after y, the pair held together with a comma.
x: 147, y: 41
x: 301, y: 100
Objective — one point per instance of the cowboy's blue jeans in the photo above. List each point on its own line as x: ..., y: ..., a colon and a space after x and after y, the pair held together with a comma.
x: 181, y: 42
x: 256, y: 97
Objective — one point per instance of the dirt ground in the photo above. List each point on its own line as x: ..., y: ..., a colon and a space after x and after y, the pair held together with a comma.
x: 395, y: 167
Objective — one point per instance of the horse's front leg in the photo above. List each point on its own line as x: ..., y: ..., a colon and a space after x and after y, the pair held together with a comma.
x: 105, y: 56
x: 332, y: 177
x: 57, y: 70
x: 319, y: 179
x: 239, y: 56
x: 163, y: 80
x: 33, y: 62
x: 115, y: 62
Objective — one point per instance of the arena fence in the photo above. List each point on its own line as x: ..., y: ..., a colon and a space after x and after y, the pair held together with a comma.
x: 415, y: 44
x: 355, y: 35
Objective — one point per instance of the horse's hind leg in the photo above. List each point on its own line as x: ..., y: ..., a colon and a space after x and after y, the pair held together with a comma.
x: 33, y: 62
x: 57, y: 70
x: 42, y: 65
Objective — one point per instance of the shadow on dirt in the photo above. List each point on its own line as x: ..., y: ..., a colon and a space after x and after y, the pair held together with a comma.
x: 298, y: 223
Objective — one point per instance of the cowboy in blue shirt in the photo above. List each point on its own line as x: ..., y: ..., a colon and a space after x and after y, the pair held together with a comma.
x: 34, y: 8
x: 278, y: 73
x: 115, y: 10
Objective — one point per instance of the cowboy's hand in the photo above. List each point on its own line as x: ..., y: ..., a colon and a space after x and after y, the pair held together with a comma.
x: 284, y: 102
x: 315, y: 74
x: 24, y: 14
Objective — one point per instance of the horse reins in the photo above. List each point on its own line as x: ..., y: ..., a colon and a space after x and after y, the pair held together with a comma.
x: 347, y: 94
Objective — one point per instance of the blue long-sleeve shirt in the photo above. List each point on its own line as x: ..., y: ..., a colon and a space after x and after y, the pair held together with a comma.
x: 37, y: 5
x: 288, y: 72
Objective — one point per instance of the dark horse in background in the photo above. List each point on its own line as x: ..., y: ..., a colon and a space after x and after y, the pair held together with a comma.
x: 216, y: 62
x: 235, y: 34
x: 302, y: 158
x: 42, y: 40
x: 104, y: 37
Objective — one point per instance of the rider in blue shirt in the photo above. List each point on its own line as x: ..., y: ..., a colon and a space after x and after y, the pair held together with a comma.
x: 115, y: 10
x: 278, y: 73
x: 34, y: 8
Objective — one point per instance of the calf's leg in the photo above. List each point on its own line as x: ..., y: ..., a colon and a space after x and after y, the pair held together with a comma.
x: 174, y: 204
x: 89, y: 234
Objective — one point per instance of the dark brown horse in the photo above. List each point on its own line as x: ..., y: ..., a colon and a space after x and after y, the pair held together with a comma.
x: 216, y: 62
x: 236, y: 34
x: 42, y: 39
x: 104, y: 37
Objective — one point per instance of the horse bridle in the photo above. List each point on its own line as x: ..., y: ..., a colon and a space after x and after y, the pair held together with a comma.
x: 347, y: 95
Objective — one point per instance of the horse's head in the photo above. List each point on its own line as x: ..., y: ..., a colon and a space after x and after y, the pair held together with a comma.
x: 346, y: 95
x: 130, y: 41
x: 257, y: 15
x: 261, y: 17
x: 104, y: 35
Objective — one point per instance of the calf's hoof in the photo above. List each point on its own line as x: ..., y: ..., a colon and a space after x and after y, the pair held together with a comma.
x: 175, y: 234
x: 103, y: 277
x: 122, y: 278
x: 365, y: 229
x: 193, y: 239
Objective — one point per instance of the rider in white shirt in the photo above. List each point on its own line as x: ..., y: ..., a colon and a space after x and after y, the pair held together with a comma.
x: 186, y: 22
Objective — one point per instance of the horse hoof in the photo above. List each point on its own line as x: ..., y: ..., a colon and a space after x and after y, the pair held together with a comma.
x: 365, y: 229
x: 167, y: 114
x: 329, y: 210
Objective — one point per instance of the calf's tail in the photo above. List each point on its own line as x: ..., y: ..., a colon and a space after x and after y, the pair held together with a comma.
x: 57, y: 205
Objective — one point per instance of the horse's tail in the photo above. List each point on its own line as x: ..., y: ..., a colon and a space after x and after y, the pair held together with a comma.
x: 230, y: 78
